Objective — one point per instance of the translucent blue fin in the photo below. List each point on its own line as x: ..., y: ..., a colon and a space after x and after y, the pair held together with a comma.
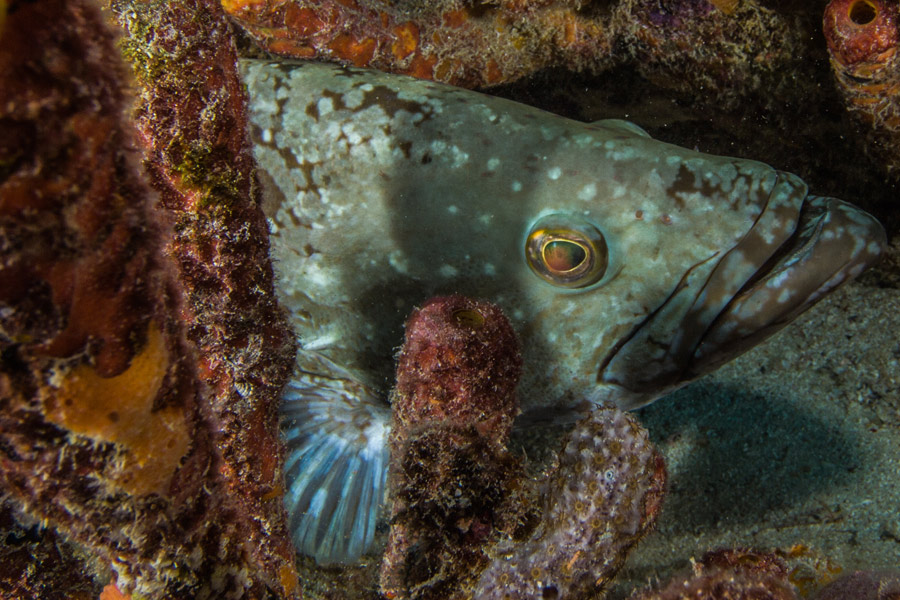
x: 335, y: 432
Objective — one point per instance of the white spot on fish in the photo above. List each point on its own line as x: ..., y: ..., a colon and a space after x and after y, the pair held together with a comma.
x: 324, y: 106
x: 398, y: 261
x: 588, y: 192
x: 316, y: 275
x: 554, y: 173
x: 448, y: 271
x: 626, y: 153
x: 353, y: 135
x: 779, y: 280
x: 493, y: 163
x: 452, y: 209
x: 490, y: 269
x: 459, y: 157
x: 583, y: 140
x: 267, y: 136
x: 485, y: 219
x: 859, y: 242
x: 516, y: 185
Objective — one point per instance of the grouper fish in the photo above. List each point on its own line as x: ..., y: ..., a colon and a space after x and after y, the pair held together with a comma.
x: 627, y: 266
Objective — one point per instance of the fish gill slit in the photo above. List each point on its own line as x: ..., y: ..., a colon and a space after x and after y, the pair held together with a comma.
x: 682, y: 284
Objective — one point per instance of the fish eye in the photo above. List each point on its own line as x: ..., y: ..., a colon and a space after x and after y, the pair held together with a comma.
x: 566, y: 251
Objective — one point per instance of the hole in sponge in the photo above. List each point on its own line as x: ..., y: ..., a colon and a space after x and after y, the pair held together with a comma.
x: 469, y: 318
x: 863, y: 12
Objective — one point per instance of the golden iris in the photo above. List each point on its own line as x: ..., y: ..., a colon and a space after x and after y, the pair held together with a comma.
x: 563, y: 255
x: 567, y: 251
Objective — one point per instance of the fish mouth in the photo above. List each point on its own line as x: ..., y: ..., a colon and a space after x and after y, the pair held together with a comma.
x: 800, y: 248
x: 833, y: 243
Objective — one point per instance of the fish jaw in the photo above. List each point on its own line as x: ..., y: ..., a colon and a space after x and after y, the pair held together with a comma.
x: 834, y: 242
x: 801, y: 248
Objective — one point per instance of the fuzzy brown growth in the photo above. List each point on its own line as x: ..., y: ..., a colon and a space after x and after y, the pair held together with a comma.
x: 86, y: 336
x: 71, y: 205
x: 452, y: 492
x: 721, y: 51
x: 138, y: 411
x: 463, y: 43
x: 728, y: 574
x: 451, y: 478
x: 459, y: 364
x: 62, y: 573
x: 192, y: 114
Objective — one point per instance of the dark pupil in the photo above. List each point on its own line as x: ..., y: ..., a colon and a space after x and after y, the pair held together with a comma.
x: 563, y: 255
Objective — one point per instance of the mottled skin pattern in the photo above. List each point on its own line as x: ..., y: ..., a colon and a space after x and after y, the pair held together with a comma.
x: 381, y: 198
x: 383, y: 191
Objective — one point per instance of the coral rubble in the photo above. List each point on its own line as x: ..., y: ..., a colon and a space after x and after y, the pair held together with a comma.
x: 863, y: 38
x: 453, y: 41
x: 725, y: 49
x: 728, y: 575
x: 463, y: 521
x: 863, y: 585
x: 139, y: 417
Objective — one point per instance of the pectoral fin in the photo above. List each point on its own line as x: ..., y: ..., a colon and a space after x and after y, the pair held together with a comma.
x: 335, y: 431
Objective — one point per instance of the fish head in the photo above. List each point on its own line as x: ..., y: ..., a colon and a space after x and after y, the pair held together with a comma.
x: 644, y: 287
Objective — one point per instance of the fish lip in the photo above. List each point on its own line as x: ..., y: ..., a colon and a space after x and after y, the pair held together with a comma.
x: 728, y: 302
x: 832, y: 243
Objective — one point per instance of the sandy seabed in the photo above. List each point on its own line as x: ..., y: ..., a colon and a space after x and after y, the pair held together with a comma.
x: 795, y: 443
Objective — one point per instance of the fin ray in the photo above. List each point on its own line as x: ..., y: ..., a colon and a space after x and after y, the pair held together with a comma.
x: 335, y: 433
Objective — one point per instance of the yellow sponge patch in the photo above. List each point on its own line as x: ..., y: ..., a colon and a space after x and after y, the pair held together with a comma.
x: 120, y: 410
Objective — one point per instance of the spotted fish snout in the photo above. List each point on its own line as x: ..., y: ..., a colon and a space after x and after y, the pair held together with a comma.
x: 833, y: 243
x: 800, y: 248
